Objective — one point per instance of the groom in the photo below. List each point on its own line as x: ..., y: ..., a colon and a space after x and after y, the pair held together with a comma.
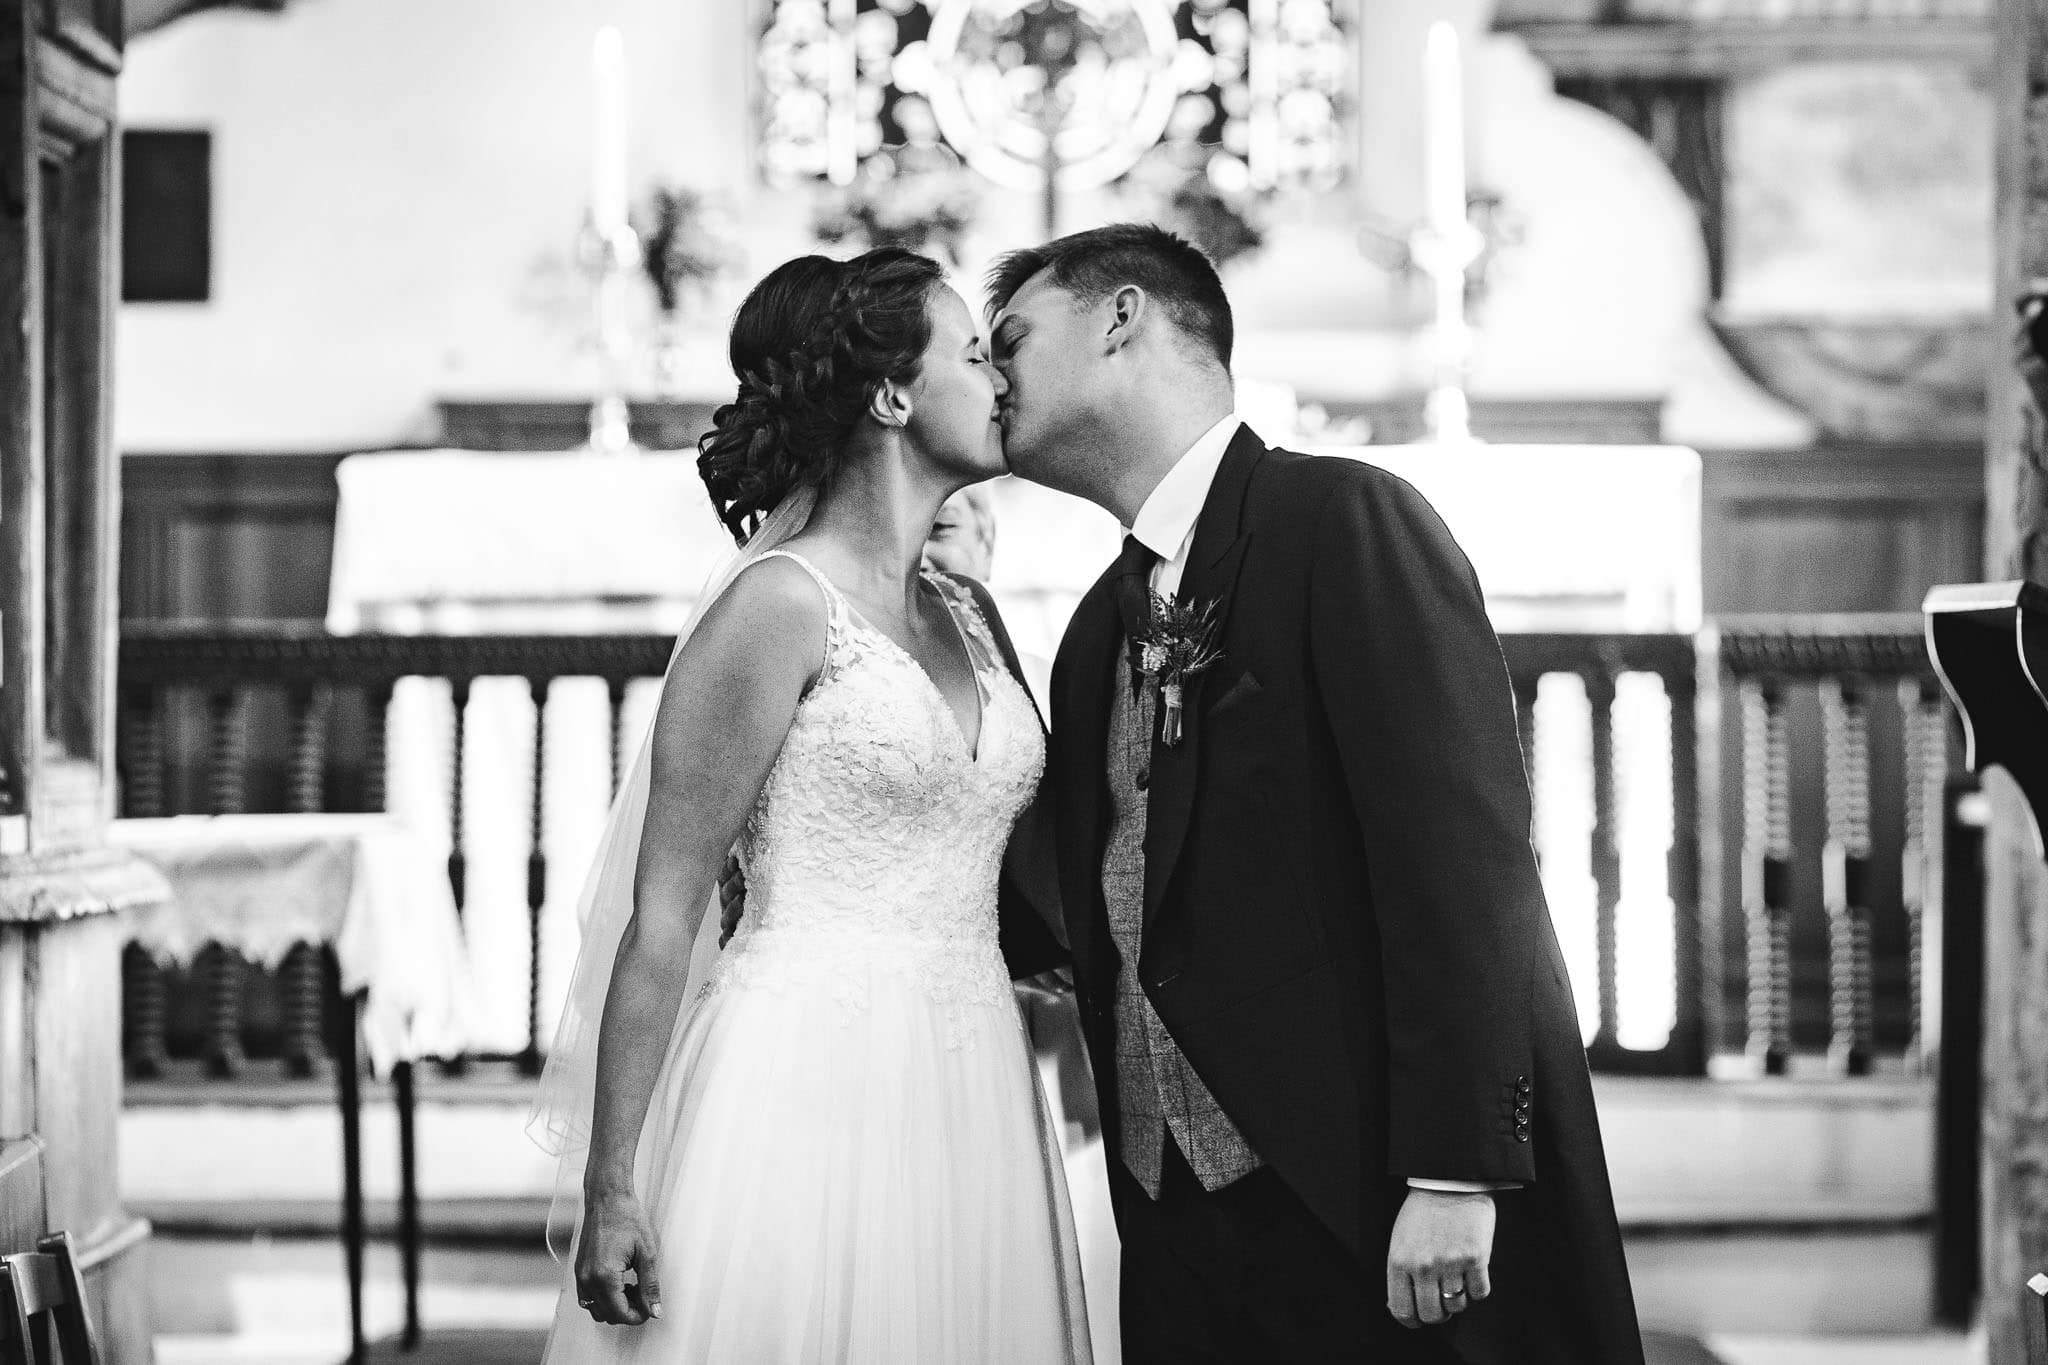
x: 1344, y: 1102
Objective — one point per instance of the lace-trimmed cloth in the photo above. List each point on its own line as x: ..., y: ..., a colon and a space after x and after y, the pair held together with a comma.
x: 261, y: 884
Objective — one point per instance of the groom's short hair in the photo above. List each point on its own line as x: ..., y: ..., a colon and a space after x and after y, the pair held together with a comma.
x: 1093, y: 264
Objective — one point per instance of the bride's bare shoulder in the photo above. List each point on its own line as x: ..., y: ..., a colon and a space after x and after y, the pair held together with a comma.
x: 777, y: 586
x: 773, y: 614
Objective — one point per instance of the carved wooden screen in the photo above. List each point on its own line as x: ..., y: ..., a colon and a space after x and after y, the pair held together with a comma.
x: 56, y: 272
x: 1261, y: 83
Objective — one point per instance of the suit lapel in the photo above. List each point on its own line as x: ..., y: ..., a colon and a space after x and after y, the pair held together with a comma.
x: 1213, y: 563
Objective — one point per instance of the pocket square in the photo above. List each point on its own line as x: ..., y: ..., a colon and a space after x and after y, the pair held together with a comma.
x: 1243, y: 690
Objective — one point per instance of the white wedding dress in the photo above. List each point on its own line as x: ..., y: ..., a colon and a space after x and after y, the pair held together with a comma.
x: 848, y: 1157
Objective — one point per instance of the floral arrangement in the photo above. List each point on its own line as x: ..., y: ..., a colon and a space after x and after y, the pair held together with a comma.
x: 1178, y: 643
x: 682, y: 244
x: 1500, y: 232
x: 922, y: 204
x: 1205, y: 197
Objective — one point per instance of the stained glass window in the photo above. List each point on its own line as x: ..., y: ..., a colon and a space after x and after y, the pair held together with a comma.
x: 1262, y: 84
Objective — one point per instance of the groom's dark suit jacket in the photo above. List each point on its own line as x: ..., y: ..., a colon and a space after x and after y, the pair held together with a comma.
x: 1344, y: 929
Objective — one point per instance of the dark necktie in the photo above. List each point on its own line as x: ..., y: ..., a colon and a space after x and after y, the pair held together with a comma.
x: 1133, y: 589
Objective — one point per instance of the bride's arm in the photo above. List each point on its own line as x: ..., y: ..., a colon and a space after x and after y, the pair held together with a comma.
x: 725, y: 710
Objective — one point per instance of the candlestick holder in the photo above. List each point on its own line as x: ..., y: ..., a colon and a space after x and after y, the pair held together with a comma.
x: 1445, y: 255
x: 609, y: 255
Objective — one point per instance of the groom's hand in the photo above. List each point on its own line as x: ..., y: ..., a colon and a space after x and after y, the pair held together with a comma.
x: 1437, y: 1260
x: 732, y: 897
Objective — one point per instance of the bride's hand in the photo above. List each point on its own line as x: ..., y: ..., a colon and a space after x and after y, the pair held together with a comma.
x: 617, y: 1238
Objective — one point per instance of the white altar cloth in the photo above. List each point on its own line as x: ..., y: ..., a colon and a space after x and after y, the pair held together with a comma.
x: 261, y: 883
x: 1567, y: 538
x: 453, y: 541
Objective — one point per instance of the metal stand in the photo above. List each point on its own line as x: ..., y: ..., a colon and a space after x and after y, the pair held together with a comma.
x: 609, y: 257
x: 347, y: 1018
x: 1445, y: 255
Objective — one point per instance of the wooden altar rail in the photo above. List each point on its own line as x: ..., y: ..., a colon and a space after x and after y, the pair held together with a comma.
x: 279, y: 716
x: 1840, y: 758
x: 324, y: 751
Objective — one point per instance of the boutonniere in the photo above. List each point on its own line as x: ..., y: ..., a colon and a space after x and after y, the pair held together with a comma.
x: 1179, y: 642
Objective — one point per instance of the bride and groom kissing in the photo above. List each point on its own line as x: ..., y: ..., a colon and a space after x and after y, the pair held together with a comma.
x: 1279, y: 831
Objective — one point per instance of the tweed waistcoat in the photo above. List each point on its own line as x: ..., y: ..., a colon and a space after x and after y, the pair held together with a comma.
x: 1158, y: 1092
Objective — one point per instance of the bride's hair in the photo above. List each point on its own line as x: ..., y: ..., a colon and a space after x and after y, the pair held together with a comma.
x: 809, y: 345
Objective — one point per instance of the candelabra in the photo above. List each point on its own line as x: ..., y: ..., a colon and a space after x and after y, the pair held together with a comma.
x: 1445, y: 254
x: 610, y: 254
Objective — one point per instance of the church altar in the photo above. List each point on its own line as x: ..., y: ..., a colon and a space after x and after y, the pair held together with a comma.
x: 466, y: 542
x: 1564, y: 538
x: 1592, y: 539
x: 564, y: 546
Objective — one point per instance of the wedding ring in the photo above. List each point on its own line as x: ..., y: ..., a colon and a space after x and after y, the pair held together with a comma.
x: 585, y: 1303
x: 1452, y: 1293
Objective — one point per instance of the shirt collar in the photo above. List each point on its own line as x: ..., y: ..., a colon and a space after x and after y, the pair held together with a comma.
x: 1167, y: 519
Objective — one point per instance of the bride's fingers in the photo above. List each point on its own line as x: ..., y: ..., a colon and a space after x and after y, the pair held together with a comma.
x: 645, y: 1296
x: 607, y: 1295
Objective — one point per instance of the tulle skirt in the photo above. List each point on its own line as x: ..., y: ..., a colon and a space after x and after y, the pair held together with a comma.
x: 863, y: 1173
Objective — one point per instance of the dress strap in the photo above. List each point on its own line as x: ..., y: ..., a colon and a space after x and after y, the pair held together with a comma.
x: 967, y: 612
x: 836, y: 608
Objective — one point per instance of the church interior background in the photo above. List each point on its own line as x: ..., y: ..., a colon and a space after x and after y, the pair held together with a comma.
x: 1684, y: 313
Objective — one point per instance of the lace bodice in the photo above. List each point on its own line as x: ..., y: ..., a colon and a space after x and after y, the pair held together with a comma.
x: 878, y: 837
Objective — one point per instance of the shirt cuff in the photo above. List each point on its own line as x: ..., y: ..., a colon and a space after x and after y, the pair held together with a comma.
x: 1462, y: 1186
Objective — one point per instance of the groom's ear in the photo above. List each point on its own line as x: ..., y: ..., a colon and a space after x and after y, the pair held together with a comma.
x: 1125, y: 313
x: 889, y: 404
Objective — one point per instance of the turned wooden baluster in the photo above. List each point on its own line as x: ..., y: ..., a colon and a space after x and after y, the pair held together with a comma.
x: 301, y: 978
x: 145, y: 1007
x: 615, y: 690
x: 376, y: 776
x: 1682, y: 880
x: 310, y: 709
x: 145, y: 991
x: 1606, y: 861
x: 1525, y: 689
x: 536, y: 874
x: 227, y: 789
x: 1926, y: 784
x: 1767, y: 871
x: 1845, y: 874
x: 144, y: 774
x: 458, y: 857
x: 221, y: 966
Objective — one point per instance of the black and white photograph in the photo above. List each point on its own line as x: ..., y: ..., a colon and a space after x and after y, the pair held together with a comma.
x: 1024, y: 682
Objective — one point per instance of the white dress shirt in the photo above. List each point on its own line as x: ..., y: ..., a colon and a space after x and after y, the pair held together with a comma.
x: 1166, y: 523
x: 1166, y: 527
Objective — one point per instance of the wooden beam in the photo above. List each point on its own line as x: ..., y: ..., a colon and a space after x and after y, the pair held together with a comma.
x: 2015, y: 1235
x: 145, y: 16
x: 1729, y: 49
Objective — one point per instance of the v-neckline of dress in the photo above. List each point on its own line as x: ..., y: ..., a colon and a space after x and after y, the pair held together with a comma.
x: 974, y: 749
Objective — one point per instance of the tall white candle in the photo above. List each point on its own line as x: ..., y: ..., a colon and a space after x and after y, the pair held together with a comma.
x: 1444, y: 130
x: 608, y: 165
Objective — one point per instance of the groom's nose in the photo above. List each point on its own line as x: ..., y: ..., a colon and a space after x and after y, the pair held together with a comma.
x: 1002, y: 381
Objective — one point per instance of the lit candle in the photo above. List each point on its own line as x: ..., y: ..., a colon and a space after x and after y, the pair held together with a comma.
x: 608, y: 167
x: 1444, y: 130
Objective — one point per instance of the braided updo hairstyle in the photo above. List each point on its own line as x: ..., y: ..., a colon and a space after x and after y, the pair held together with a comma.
x: 810, y: 344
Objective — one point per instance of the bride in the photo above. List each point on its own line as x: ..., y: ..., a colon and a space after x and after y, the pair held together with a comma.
x: 827, y: 1142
